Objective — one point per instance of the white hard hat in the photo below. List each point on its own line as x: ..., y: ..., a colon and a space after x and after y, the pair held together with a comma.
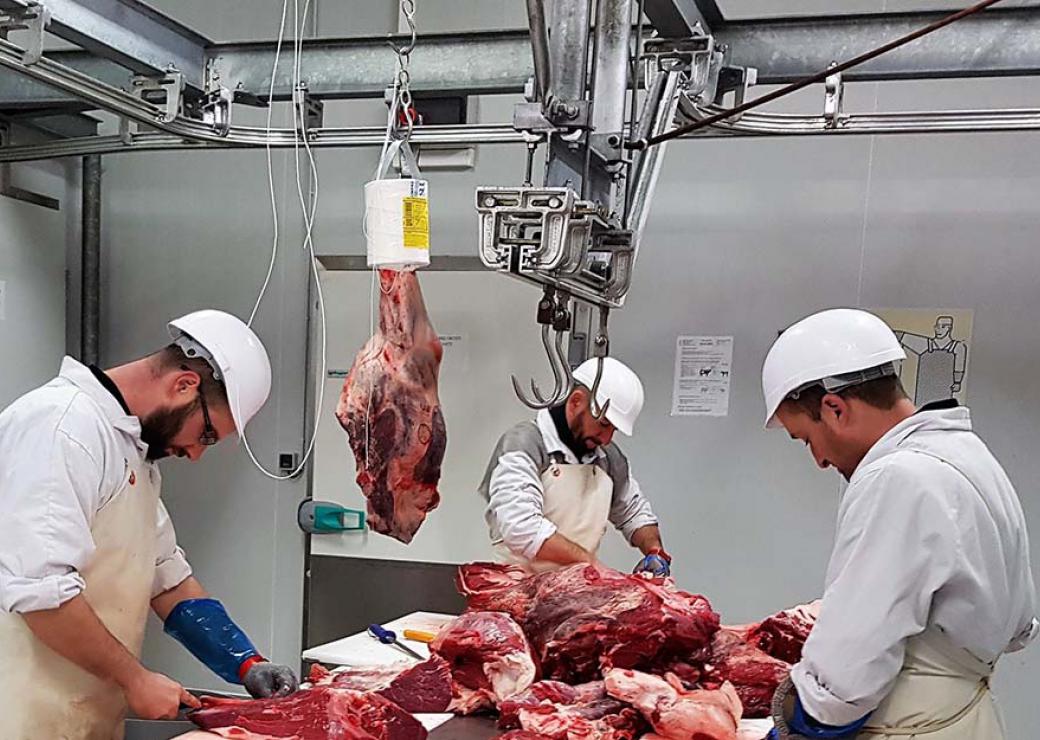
x: 236, y: 354
x: 620, y: 386
x: 824, y: 347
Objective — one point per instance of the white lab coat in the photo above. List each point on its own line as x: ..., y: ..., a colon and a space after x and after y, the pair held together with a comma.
x: 66, y: 449
x: 931, y: 540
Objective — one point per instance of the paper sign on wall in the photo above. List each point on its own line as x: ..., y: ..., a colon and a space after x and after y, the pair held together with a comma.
x: 938, y: 347
x: 702, y: 375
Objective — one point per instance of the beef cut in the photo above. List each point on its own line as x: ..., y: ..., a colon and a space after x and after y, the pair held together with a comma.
x: 583, y: 619
x: 754, y: 674
x: 391, y: 413
x: 562, y: 712
x: 322, y: 713
x: 490, y: 659
x: 551, y: 692
x: 674, y: 712
x: 783, y: 635
x: 563, y: 722
x: 419, y: 688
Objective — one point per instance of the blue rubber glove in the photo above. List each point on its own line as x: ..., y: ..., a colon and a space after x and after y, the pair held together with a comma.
x: 205, y: 629
x: 656, y: 562
x: 807, y: 727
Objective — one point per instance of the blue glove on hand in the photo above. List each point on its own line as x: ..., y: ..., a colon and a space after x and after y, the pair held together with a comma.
x: 205, y: 629
x: 656, y: 562
x: 801, y: 725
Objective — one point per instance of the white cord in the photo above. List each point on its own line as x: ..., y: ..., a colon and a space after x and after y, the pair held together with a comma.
x: 270, y: 165
x: 299, y: 119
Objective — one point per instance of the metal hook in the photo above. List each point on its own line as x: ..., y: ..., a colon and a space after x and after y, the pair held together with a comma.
x: 602, y: 348
x: 553, y: 314
x: 557, y: 375
x: 545, y: 309
x: 594, y: 407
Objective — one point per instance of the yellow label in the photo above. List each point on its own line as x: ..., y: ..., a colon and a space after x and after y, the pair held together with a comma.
x: 416, y: 222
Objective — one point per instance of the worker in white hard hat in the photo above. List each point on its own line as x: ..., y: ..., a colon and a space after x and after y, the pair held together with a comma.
x: 929, y: 581
x: 86, y: 545
x: 554, y: 483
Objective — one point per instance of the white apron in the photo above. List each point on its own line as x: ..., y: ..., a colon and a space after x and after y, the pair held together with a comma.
x: 577, y: 499
x: 942, y: 693
x: 47, y: 696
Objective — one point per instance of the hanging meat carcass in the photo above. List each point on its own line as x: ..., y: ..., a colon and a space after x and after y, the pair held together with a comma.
x: 391, y: 413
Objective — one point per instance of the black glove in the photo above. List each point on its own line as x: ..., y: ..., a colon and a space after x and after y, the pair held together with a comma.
x: 264, y: 680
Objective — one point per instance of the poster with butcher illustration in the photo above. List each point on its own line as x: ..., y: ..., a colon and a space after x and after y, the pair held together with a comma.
x: 937, y: 342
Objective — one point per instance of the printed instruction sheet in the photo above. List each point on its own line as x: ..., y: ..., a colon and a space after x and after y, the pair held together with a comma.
x: 702, y: 376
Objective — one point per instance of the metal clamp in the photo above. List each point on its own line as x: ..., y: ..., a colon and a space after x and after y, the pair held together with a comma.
x: 548, y: 236
x: 166, y: 91
x: 310, y: 110
x: 834, y: 99
x: 33, y: 18
x: 216, y: 110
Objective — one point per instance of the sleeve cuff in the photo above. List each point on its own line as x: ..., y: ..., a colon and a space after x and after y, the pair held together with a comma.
x: 630, y: 528
x: 821, y: 704
x: 545, y: 530
x: 170, y: 573
x: 1022, y: 640
x: 20, y: 595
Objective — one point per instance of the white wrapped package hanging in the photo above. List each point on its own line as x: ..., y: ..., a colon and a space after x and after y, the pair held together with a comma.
x: 397, y: 215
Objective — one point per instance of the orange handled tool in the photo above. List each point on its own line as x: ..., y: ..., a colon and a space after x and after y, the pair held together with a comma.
x: 419, y: 636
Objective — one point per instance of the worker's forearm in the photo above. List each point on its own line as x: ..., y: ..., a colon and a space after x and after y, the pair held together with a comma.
x: 74, y: 632
x: 189, y: 588
x: 559, y: 549
x: 647, y: 538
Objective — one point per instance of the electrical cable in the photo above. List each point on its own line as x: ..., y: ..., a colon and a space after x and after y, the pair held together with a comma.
x: 299, y: 104
x: 812, y: 79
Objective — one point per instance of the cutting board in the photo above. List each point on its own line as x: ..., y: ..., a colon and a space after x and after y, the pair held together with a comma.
x: 364, y: 650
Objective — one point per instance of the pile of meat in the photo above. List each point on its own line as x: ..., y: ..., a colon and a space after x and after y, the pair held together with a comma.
x: 619, y: 656
x: 580, y: 653
x: 391, y: 413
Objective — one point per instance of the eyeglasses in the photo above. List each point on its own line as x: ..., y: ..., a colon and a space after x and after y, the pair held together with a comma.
x: 209, y: 434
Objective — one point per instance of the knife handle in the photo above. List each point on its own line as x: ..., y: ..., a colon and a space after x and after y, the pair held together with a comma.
x: 381, y: 633
x: 419, y: 636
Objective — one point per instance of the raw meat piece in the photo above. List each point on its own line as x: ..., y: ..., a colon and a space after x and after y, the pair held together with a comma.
x: 390, y: 410
x: 521, y: 735
x: 783, y: 635
x: 599, y: 721
x: 321, y: 713
x: 490, y: 659
x: 423, y: 687
x: 753, y: 673
x: 677, y: 714
x: 548, y: 692
x: 583, y: 619
x: 492, y: 587
x: 561, y: 712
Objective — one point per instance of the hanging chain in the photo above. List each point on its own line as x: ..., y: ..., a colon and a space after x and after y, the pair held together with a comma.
x: 405, y: 113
